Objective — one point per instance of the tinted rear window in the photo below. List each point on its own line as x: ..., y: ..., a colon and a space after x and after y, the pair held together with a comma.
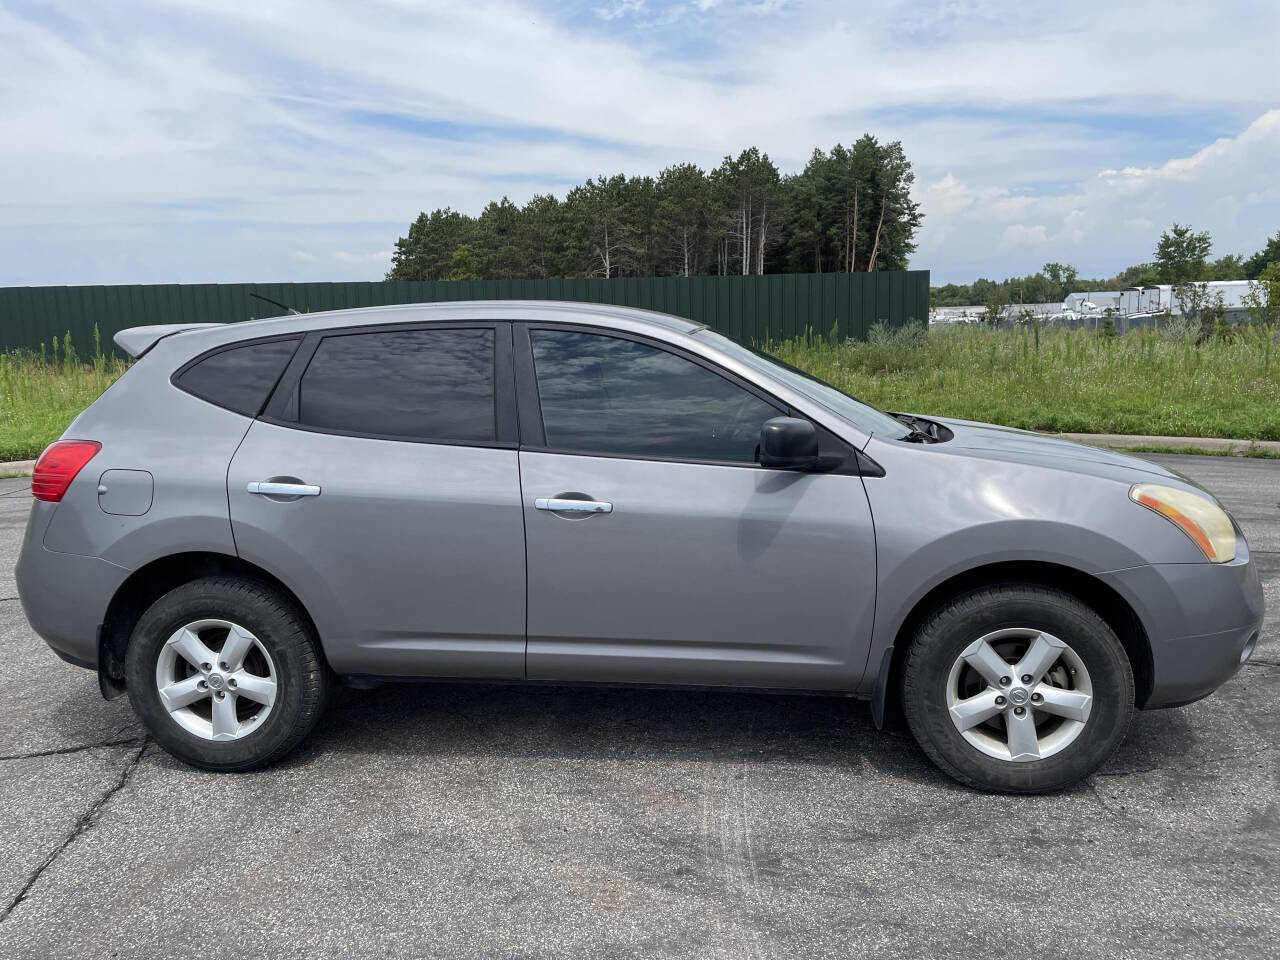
x: 414, y: 384
x: 241, y: 378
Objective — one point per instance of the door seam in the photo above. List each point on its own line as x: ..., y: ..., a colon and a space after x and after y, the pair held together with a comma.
x: 226, y: 487
x: 524, y: 530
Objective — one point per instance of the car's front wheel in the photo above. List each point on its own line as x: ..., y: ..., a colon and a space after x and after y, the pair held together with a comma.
x: 1017, y: 688
x: 226, y: 674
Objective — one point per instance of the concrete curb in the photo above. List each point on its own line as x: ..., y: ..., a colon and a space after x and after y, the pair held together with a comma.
x: 1215, y: 445
x: 1113, y: 441
x: 22, y: 468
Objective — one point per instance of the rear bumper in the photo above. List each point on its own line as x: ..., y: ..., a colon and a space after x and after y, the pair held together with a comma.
x: 1201, y: 620
x: 64, y: 595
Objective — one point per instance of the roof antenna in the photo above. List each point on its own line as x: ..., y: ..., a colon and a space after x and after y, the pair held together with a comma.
x: 277, y: 303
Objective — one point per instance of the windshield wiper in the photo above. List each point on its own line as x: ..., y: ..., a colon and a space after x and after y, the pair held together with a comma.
x: 916, y: 435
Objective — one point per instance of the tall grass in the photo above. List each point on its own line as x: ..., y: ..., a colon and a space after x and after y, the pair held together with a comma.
x: 1143, y: 381
x: 1043, y: 379
x: 42, y: 391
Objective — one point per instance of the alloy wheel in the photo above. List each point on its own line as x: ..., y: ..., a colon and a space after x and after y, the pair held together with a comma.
x: 216, y: 679
x: 1019, y: 694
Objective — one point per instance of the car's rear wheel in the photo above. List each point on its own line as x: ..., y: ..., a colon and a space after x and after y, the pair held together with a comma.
x: 1017, y: 688
x: 226, y: 674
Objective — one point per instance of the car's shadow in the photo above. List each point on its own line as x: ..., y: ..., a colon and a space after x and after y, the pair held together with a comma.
x: 440, y: 719
x: 588, y: 722
x: 423, y: 720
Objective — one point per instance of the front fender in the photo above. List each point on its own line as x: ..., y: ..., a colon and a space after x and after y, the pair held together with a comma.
x: 938, y: 515
x: 906, y: 579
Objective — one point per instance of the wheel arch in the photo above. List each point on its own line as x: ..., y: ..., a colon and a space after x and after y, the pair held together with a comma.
x: 1099, y: 596
x: 153, y: 580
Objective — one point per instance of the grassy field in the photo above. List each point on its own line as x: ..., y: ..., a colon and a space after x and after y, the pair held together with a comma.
x: 40, y: 393
x: 1063, y: 380
x: 1071, y: 381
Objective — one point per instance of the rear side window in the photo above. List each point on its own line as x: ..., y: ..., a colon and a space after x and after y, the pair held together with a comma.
x: 411, y: 384
x: 241, y: 378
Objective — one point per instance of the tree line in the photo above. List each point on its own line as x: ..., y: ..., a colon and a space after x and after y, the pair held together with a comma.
x: 1182, y: 256
x: 849, y: 209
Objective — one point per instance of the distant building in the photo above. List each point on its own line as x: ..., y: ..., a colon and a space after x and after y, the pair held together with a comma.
x: 1040, y: 311
x: 1092, y: 301
x: 1145, y: 305
x: 976, y: 313
x: 1131, y: 307
x: 970, y: 314
x: 1232, y: 292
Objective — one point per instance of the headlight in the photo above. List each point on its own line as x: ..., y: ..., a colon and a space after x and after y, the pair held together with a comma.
x: 1194, y: 514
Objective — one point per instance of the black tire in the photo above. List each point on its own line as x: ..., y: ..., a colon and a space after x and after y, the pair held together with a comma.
x: 957, y: 623
x: 302, y: 677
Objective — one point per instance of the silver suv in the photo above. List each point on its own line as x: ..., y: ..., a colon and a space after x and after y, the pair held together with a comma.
x: 579, y: 493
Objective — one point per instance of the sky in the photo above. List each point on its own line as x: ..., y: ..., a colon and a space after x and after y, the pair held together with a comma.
x: 198, y: 141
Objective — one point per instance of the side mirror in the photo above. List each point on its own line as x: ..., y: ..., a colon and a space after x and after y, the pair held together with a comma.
x: 788, y: 443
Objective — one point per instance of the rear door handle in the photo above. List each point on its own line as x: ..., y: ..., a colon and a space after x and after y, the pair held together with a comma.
x: 557, y: 505
x: 273, y: 488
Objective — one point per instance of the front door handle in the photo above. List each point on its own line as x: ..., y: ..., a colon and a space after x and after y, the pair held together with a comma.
x: 558, y: 505
x: 274, y: 488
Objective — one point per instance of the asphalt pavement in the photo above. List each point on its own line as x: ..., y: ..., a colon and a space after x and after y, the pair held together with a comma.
x: 470, y: 820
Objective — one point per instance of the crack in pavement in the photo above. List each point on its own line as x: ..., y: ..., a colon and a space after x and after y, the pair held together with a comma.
x: 84, y: 824
x: 60, y: 751
x: 1258, y: 662
x: 1102, y: 801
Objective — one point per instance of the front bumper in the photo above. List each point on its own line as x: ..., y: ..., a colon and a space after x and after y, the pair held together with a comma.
x: 1201, y: 620
x: 64, y: 595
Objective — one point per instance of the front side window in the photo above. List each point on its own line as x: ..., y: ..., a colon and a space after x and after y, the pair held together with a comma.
x: 863, y: 416
x: 240, y: 378
x: 410, y: 384
x: 606, y: 395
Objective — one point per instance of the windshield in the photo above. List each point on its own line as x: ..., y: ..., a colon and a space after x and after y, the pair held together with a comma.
x: 865, y: 418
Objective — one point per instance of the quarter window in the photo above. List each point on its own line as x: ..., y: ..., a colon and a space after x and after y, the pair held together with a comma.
x: 608, y: 395
x: 240, y: 378
x: 411, y: 384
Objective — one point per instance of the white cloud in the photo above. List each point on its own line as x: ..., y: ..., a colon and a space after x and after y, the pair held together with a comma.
x: 1111, y: 219
x: 1219, y: 157
x: 378, y: 256
x: 621, y: 8
x: 140, y: 133
x: 1020, y: 235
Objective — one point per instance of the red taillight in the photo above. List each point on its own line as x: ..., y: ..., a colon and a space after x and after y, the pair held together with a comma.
x: 58, y: 466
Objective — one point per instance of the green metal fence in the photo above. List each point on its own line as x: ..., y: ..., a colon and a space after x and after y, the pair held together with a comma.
x: 749, y: 309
